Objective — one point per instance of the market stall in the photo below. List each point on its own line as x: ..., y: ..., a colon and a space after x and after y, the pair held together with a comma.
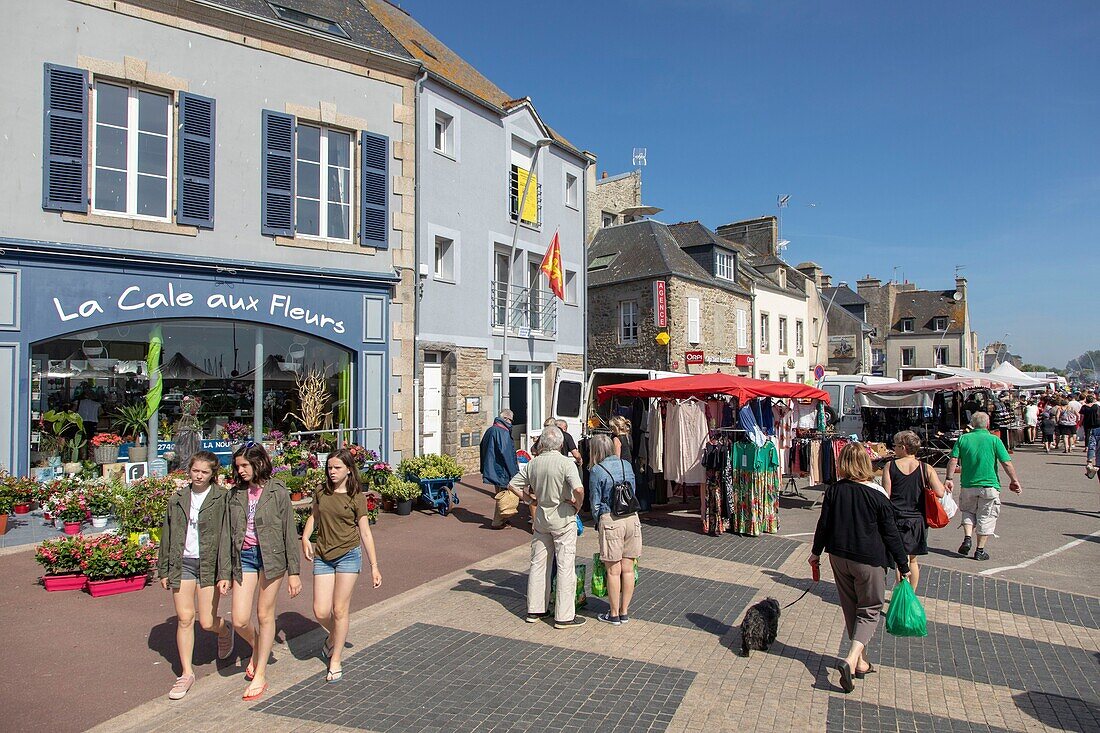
x: 729, y: 439
x: 937, y: 410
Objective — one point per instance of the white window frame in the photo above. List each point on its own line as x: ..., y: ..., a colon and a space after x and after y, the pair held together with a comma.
x: 907, y: 325
x: 572, y: 189
x: 607, y: 219
x: 940, y: 320
x: 443, y: 141
x: 723, y: 266
x: 800, y: 377
x: 628, y: 322
x: 765, y: 375
x: 322, y: 223
x: 569, y: 281
x: 782, y: 334
x: 941, y: 351
x: 742, y: 329
x: 132, y: 150
x: 694, y: 321
x: 444, y: 259
x: 765, y: 337
x: 799, y: 338
x: 911, y: 353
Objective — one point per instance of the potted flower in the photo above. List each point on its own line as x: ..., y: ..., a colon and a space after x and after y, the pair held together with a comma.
x: 294, y: 484
x: 106, y: 446
x: 60, y: 560
x: 372, y: 507
x: 237, y: 432
x: 70, y: 509
x: 402, y: 492
x: 116, y: 565
x: 100, y: 497
x: 436, y: 474
x: 140, y: 505
x: 132, y: 421
x: 19, y: 490
x: 5, y: 509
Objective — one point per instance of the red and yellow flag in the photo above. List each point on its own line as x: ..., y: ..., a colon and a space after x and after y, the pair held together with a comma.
x: 551, y: 265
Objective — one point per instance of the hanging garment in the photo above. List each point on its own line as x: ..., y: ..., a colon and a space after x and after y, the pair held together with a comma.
x: 714, y: 414
x: 782, y: 418
x: 756, y: 490
x: 685, y: 434
x: 763, y: 411
x: 752, y: 429
x: 656, y: 446
x: 814, y: 463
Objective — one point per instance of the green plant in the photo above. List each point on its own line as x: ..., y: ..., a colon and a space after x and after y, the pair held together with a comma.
x: 399, y: 489
x: 101, y: 495
x: 110, y: 556
x: 75, y: 446
x: 61, y: 555
x: 132, y: 421
x: 63, y: 423
x: 140, y: 506
x: 430, y: 466
x: 6, y: 502
x: 18, y: 489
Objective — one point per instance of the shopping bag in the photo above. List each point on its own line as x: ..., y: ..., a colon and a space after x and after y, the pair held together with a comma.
x: 599, y: 577
x: 635, y: 572
x: 949, y: 505
x: 580, y: 599
x: 934, y: 514
x: 906, y: 615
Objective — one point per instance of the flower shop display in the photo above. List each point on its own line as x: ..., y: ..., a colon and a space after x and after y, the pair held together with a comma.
x: 140, y: 506
x: 20, y: 490
x: 436, y: 475
x: 100, y: 495
x: 66, y: 429
x: 114, y: 564
x: 70, y: 508
x: 402, y: 492
x: 60, y: 560
x: 105, y: 447
x: 236, y: 431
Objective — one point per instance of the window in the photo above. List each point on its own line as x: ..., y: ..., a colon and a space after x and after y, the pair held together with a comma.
x: 816, y: 334
x: 522, y: 179
x: 799, y: 339
x: 782, y: 335
x: 131, y: 154
x: 878, y: 357
x: 444, y: 134
x: 444, y: 259
x: 939, y: 323
x: 607, y: 219
x: 782, y: 275
x: 765, y: 328
x: 323, y: 196
x: 942, y: 355
x: 906, y: 325
x: 742, y: 329
x: 500, y: 288
x: 307, y: 20
x: 570, y: 287
x: 628, y: 322
x: 723, y: 265
x: 908, y: 356
x: 602, y: 262
x: 765, y: 375
x: 800, y: 378
x: 693, y: 320
x: 571, y: 188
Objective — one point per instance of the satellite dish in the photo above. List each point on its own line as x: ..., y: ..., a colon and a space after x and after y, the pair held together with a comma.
x: 956, y: 296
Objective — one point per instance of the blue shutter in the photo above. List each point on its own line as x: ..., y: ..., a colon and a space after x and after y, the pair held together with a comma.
x: 374, y: 195
x: 65, y: 139
x: 195, y: 177
x: 277, y: 201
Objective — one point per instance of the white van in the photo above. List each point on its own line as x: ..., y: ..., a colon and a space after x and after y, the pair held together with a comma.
x: 842, y: 397
x: 575, y: 398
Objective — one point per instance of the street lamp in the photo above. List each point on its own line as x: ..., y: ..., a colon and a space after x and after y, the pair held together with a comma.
x: 824, y: 320
x: 942, y: 337
x: 505, y: 367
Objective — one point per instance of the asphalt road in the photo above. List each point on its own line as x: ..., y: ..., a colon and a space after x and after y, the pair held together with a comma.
x: 1052, y: 527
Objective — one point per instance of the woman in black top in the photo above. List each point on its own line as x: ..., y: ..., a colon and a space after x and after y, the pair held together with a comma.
x: 858, y: 529
x: 904, y: 479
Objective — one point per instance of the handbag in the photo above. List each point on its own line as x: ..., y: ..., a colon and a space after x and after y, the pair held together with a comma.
x: 623, y: 501
x: 934, y: 514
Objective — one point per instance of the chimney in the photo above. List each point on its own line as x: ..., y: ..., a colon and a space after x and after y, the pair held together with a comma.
x: 761, y: 235
x: 812, y: 271
x: 960, y: 287
x: 868, y: 284
x: 826, y: 281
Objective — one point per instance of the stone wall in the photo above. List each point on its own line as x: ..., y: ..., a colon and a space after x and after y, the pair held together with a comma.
x: 717, y: 326
x: 611, y: 195
x: 604, y: 349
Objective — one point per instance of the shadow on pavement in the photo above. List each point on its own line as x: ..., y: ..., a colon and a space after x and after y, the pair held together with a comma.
x: 1059, y: 712
x: 823, y: 589
x: 507, y: 587
x: 162, y: 640
x: 296, y: 631
x: 1056, y: 509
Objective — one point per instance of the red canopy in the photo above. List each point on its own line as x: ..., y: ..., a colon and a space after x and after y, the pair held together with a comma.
x: 702, y: 385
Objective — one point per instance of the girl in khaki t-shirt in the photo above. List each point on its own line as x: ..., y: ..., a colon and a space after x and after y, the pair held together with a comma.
x: 340, y: 515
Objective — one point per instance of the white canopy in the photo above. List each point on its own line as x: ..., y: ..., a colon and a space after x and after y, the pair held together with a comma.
x: 1009, y: 373
x: 1019, y: 380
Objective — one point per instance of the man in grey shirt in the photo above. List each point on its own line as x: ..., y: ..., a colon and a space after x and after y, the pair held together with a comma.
x: 552, y: 483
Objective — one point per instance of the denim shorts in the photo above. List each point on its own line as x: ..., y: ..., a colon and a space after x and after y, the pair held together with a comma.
x: 251, y: 560
x: 350, y: 562
x: 190, y: 568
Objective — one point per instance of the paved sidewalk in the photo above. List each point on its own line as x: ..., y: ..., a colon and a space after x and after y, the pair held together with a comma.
x: 456, y: 655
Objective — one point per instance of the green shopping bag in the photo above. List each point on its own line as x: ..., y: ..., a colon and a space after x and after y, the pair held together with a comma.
x: 635, y: 572
x: 581, y: 600
x: 599, y: 577
x: 906, y: 615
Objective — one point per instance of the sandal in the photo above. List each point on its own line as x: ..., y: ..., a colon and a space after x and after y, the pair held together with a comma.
x: 250, y: 672
x: 846, y: 683
x: 334, y: 675
x: 255, y: 695
x: 870, y: 670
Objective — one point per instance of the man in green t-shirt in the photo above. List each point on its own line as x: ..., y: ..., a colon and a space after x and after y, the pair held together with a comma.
x: 980, y: 452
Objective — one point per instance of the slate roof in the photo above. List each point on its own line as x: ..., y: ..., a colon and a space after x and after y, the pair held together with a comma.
x: 695, y: 234
x: 646, y: 250
x: 845, y: 313
x: 845, y: 296
x: 925, y: 305
x: 362, y: 27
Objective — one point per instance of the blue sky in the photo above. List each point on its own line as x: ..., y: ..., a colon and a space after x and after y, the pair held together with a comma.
x: 928, y: 135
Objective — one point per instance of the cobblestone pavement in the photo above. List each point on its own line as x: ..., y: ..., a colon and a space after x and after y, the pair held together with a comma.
x: 456, y: 655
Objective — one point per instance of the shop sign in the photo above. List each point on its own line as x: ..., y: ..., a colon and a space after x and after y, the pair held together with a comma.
x: 660, y: 305
x: 745, y: 360
x: 693, y: 357
x: 173, y: 299
x: 719, y: 360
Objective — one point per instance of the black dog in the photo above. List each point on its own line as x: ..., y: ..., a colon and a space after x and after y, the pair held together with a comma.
x: 760, y: 626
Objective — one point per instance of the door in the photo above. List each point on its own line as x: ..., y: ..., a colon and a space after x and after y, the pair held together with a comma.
x: 433, y: 407
x: 568, y: 387
x: 517, y: 389
x: 847, y: 409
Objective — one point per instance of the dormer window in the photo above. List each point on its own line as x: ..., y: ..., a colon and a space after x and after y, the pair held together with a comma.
x: 723, y: 266
x: 782, y: 274
x: 907, y: 325
x: 939, y: 323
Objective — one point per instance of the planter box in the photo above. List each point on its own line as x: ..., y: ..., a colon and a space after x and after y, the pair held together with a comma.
x: 114, y: 586
x: 21, y: 509
x: 67, y: 581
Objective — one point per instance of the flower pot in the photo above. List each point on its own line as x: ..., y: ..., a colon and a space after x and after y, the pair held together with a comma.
x: 388, y: 504
x: 322, y: 460
x: 138, y: 453
x: 47, y: 517
x: 99, y: 522
x: 404, y: 508
x: 21, y: 509
x: 72, y: 527
x: 114, y: 586
x: 106, y: 454
x: 3, y: 524
x: 296, y: 496
x: 72, y: 467
x: 64, y: 581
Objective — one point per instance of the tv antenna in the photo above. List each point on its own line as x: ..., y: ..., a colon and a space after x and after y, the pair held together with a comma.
x: 639, y: 156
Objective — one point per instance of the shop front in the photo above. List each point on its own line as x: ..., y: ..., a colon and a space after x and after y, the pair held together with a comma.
x: 105, y: 336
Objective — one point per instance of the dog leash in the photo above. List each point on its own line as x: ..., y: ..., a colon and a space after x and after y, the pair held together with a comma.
x: 796, y: 600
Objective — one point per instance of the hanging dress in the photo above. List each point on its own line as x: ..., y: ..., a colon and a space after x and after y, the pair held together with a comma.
x: 756, y: 472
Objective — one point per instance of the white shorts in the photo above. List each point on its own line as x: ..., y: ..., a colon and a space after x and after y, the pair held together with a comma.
x: 980, y: 506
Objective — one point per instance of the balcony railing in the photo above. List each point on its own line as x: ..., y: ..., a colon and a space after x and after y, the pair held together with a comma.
x: 528, y: 309
x: 515, y: 193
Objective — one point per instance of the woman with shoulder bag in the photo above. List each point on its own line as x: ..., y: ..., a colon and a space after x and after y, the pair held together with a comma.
x: 905, y: 479
x: 620, y: 536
